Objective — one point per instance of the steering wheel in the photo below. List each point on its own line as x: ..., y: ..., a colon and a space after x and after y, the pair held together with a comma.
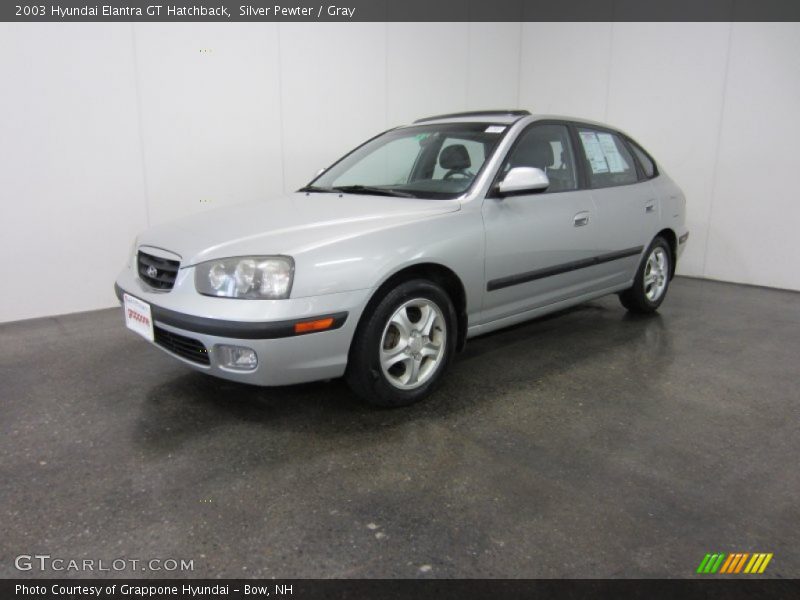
x: 461, y: 173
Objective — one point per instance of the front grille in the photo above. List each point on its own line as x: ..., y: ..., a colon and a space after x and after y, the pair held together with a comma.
x: 162, y: 271
x: 183, y: 346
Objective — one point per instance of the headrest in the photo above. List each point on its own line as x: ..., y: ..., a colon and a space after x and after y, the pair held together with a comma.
x: 534, y: 153
x: 455, y: 157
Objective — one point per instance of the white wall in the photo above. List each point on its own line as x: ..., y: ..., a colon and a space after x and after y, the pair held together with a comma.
x: 333, y: 93
x: 71, y: 178
x: 210, y: 114
x: 107, y: 128
x: 755, y: 207
x: 716, y: 104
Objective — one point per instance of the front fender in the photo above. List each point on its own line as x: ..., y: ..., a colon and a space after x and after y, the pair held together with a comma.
x: 367, y: 260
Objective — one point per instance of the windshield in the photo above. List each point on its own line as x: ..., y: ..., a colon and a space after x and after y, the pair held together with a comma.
x: 425, y: 161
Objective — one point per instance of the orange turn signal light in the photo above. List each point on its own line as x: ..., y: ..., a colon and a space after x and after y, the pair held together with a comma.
x: 309, y: 326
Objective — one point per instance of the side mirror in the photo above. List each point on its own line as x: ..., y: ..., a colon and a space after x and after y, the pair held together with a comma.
x: 523, y: 179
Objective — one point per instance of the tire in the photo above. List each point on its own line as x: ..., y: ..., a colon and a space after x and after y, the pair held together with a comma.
x: 403, y: 346
x: 652, y: 279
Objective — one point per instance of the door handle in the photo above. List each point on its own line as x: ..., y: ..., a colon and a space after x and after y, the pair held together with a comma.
x: 581, y: 219
x: 650, y: 206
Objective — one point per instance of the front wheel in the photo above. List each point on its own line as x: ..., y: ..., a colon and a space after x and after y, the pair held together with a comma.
x: 404, y: 345
x: 652, y: 279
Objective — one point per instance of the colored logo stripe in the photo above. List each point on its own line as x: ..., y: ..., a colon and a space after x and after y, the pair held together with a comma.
x: 735, y: 562
x: 711, y: 563
x: 728, y: 563
x: 758, y: 563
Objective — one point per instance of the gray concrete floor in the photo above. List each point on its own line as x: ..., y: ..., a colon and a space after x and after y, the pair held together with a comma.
x: 588, y: 444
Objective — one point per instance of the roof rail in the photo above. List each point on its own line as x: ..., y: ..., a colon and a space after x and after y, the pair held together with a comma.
x: 478, y: 113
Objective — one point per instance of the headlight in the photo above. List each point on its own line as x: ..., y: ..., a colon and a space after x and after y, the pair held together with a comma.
x: 254, y: 277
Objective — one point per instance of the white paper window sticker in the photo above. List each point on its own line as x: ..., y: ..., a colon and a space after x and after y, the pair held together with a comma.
x: 616, y: 162
x: 594, y: 152
x: 495, y: 128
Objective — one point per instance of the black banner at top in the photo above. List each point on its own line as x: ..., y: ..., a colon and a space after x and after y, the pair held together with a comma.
x: 401, y: 10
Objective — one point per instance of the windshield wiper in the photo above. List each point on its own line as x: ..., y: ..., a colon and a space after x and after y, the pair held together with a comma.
x: 367, y: 189
x: 314, y: 188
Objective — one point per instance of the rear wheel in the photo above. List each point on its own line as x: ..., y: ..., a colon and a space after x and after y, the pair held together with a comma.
x: 402, y: 348
x: 652, y: 279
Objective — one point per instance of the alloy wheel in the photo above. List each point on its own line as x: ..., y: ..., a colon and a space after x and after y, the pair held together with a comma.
x: 656, y: 274
x: 413, y: 343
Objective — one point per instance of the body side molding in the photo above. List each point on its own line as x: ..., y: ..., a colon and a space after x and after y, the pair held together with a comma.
x: 520, y: 278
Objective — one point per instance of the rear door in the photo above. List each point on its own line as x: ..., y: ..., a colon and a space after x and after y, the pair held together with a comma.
x: 627, y: 206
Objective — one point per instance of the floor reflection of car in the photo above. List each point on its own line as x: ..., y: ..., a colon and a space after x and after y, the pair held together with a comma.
x: 381, y: 267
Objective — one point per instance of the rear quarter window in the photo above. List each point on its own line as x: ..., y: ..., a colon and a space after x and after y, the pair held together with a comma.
x: 648, y: 166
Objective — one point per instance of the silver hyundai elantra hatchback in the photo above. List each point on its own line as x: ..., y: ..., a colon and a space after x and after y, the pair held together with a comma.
x: 428, y: 234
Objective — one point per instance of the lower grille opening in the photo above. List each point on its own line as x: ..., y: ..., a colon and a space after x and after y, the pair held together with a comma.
x: 183, y: 346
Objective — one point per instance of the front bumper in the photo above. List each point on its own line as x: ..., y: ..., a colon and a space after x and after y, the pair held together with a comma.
x: 284, y: 357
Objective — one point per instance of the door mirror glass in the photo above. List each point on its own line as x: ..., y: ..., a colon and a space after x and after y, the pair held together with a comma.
x: 523, y: 179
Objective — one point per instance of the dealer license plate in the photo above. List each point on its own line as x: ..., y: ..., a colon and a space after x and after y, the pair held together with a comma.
x: 138, y: 317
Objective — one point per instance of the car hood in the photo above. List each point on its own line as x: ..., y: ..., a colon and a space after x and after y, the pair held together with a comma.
x: 289, y: 225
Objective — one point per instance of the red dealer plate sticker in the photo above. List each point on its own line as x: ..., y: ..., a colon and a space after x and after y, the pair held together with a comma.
x: 138, y: 317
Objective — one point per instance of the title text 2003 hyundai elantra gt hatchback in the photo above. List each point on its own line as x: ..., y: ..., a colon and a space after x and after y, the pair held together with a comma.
x: 383, y: 266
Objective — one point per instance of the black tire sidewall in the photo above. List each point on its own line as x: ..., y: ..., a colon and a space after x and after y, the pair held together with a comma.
x: 371, y: 382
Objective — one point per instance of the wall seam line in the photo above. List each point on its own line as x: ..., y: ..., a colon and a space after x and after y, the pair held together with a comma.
x: 469, y: 54
x: 386, y: 74
x: 280, y: 108
x: 140, y: 119
x: 519, y: 66
x: 717, y: 148
x: 609, y: 64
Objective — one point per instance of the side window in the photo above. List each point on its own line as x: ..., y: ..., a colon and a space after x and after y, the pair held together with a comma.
x: 609, y: 161
x: 647, y: 163
x: 547, y: 147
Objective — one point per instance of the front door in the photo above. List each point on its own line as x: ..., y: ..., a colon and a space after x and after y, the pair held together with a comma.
x: 538, y: 244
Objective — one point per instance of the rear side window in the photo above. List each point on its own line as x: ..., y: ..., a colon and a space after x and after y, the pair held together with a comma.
x: 609, y: 161
x: 648, y: 166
